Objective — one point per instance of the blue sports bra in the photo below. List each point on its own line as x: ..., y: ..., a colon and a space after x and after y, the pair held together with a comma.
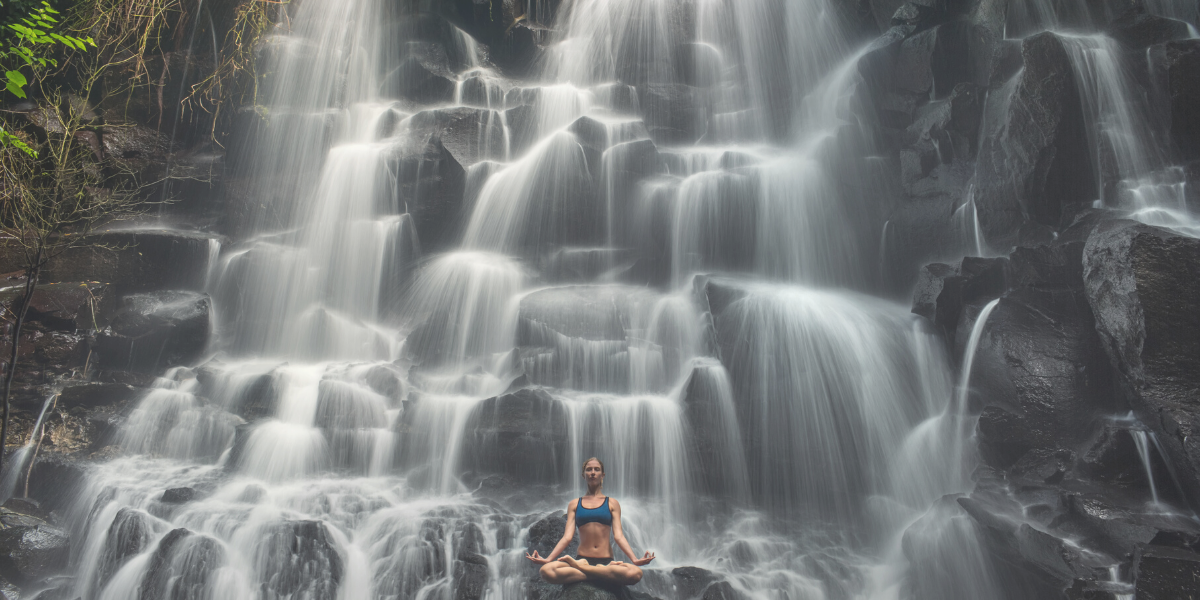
x: 600, y: 514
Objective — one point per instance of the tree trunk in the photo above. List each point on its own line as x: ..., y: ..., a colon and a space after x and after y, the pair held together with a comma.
x: 31, y: 276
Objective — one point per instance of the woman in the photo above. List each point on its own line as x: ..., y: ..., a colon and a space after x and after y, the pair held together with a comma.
x: 597, y: 516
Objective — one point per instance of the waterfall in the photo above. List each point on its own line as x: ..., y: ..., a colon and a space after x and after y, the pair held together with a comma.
x: 454, y: 286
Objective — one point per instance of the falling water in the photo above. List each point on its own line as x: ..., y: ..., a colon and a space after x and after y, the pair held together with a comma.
x: 16, y: 464
x: 1142, y: 441
x: 422, y: 332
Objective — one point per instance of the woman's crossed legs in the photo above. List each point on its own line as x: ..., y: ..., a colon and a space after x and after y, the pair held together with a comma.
x: 573, y: 570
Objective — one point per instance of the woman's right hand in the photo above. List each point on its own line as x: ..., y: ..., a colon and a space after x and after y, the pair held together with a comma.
x: 537, y: 559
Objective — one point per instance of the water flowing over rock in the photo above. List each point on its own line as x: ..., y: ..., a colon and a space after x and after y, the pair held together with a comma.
x: 461, y: 247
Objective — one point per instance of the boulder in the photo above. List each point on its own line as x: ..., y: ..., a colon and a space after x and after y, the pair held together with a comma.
x: 720, y: 590
x: 1041, y: 374
x: 1137, y: 29
x: 523, y: 435
x: 96, y: 395
x: 1140, y: 281
x: 65, y: 306
x: 674, y: 113
x: 468, y: 134
x: 413, y: 80
x: 130, y: 533
x: 178, y: 495
x: 129, y: 261
x: 1035, y: 163
x: 298, y: 559
x: 692, y: 582
x: 182, y: 566
x: 547, y: 531
x: 943, y: 290
x: 1162, y: 573
x: 430, y: 184
x: 1182, y: 72
x: 30, y: 548
x: 54, y: 479
x: 156, y: 330
x: 1046, y: 561
x: 470, y: 580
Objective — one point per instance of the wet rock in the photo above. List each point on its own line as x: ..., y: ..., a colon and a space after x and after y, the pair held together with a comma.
x: 128, y: 536
x: 1135, y: 277
x: 468, y: 134
x: 431, y: 183
x: 140, y: 149
x: 1138, y: 29
x: 299, y: 559
x: 156, y: 330
x: 1035, y: 163
x: 720, y: 590
x: 674, y: 113
x: 1040, y: 372
x: 1161, y: 573
x: 95, y: 395
x: 522, y: 435
x: 65, y: 306
x: 1112, y: 457
x: 1045, y: 559
x: 30, y: 548
x: 698, y: 64
x: 129, y: 261
x: 54, y: 479
x: 547, y: 531
x: 9, y: 591
x: 413, y: 80
x: 178, y: 495
x: 691, y: 582
x: 585, y: 311
x: 181, y: 566
x: 1182, y: 71
x: 470, y: 580
x: 1119, y: 526
x: 943, y: 290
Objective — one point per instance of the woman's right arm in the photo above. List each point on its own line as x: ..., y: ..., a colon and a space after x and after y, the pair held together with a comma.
x: 568, y: 535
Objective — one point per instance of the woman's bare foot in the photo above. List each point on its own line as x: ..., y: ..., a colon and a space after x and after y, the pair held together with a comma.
x: 580, y: 563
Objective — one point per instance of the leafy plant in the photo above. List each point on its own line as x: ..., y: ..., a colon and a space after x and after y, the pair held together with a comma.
x: 30, y: 38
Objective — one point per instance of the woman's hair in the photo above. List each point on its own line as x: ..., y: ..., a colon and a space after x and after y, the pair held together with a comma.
x: 584, y: 467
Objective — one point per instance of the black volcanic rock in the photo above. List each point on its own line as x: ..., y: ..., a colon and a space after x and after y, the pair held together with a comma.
x: 1035, y: 165
x: 181, y: 566
x: 1141, y: 283
x: 178, y: 495
x: 1138, y: 29
x: 674, y: 113
x: 943, y: 290
x: 299, y: 559
x: 30, y: 548
x: 413, y: 80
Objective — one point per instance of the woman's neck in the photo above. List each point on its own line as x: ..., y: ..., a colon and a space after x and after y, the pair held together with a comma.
x: 596, y: 492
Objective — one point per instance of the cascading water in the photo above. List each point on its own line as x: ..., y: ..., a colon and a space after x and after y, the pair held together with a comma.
x: 379, y: 423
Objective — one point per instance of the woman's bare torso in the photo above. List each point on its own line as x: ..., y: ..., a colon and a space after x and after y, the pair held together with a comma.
x: 594, y: 537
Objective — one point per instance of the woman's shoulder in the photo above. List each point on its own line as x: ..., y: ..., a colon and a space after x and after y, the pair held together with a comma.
x: 612, y: 502
x: 572, y: 504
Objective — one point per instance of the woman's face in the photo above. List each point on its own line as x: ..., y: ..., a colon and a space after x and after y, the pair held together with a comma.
x: 593, y: 473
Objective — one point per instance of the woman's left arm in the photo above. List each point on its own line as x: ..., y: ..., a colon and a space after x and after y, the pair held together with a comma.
x: 619, y: 536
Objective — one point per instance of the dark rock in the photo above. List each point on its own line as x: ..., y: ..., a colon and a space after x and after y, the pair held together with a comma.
x: 720, y: 590
x: 65, y: 306
x: 470, y: 580
x: 588, y: 591
x: 9, y: 591
x: 430, y: 189
x: 31, y: 549
x: 178, y: 495
x: 943, y: 290
x: 28, y: 507
x: 128, y: 536
x: 586, y: 312
x: 1044, y: 466
x: 1137, y: 278
x: 1083, y: 589
x: 181, y: 566
x: 691, y: 582
x: 1138, y: 29
x: 298, y: 559
x: 1166, y: 573
x: 1035, y: 164
x: 94, y: 395
x: 468, y: 134
x: 156, y: 330
x: 547, y: 531
x: 1042, y: 368
x: 1039, y: 555
x: 54, y: 479
x: 413, y: 80
x: 508, y: 430
x: 674, y: 113
x: 1182, y: 71
x: 698, y: 65
x: 129, y: 261
x: 523, y: 128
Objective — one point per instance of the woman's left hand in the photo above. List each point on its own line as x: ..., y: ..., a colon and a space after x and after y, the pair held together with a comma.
x: 645, y: 560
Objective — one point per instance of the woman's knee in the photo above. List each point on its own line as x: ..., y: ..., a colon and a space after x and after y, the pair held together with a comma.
x: 633, y: 573
x: 548, y: 572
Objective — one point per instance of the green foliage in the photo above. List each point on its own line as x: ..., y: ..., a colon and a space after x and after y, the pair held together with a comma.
x: 30, y: 39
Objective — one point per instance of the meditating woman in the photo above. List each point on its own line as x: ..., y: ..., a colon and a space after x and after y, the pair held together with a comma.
x: 597, y: 516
